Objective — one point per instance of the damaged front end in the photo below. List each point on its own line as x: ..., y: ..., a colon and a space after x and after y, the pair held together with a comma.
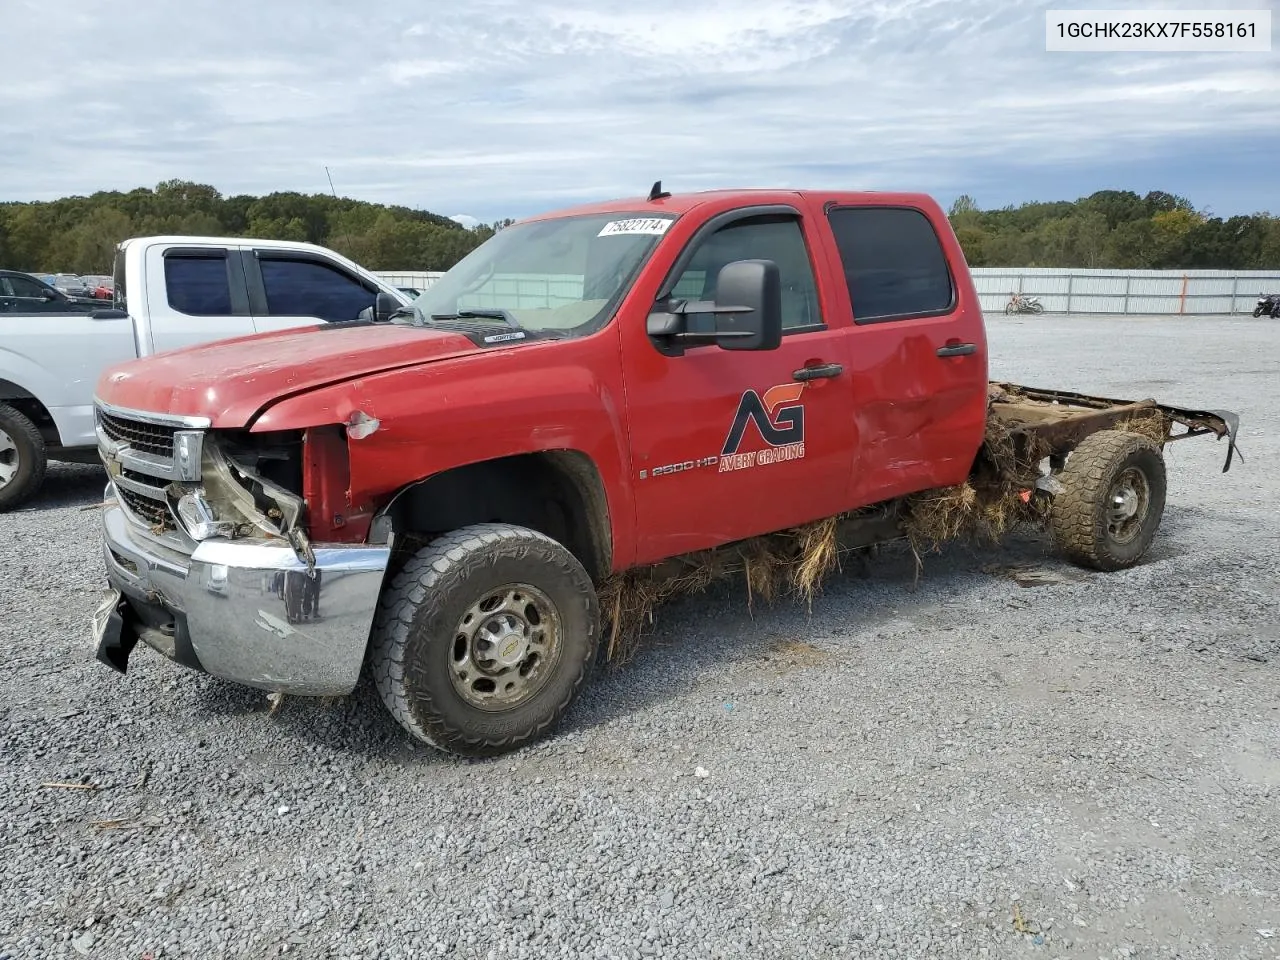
x: 210, y: 559
x: 236, y: 498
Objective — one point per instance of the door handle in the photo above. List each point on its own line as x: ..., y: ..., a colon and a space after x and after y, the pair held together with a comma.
x: 957, y: 350
x: 818, y: 372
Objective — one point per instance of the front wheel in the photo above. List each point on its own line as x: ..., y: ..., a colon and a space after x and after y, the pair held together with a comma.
x: 484, y: 638
x: 1112, y: 500
x: 1257, y: 311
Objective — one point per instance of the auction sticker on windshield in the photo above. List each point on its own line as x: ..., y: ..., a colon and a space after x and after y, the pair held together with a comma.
x: 650, y: 226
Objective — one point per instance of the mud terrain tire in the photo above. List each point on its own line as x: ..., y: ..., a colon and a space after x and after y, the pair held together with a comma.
x: 1112, y: 501
x: 483, y: 639
x: 22, y: 458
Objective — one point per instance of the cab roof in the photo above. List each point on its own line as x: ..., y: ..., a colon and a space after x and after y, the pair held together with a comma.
x: 681, y: 203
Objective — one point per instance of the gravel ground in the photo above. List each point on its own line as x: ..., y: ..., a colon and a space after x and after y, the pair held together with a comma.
x: 963, y: 767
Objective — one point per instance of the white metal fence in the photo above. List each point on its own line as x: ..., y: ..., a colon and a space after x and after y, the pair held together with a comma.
x: 1173, y: 292
x: 1127, y: 291
x: 417, y: 279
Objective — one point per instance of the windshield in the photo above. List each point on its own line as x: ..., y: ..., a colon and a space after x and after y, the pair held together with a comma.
x: 561, y: 276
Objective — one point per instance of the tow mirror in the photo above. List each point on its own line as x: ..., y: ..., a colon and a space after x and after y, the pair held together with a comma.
x: 747, y: 311
x: 755, y: 285
x: 385, y: 306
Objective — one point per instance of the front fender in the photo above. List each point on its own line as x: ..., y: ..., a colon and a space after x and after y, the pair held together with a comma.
x: 410, y: 424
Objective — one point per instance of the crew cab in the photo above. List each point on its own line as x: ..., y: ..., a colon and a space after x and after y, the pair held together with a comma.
x: 440, y: 498
x: 169, y: 292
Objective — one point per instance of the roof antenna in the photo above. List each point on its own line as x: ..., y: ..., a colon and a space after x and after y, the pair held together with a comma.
x: 656, y: 192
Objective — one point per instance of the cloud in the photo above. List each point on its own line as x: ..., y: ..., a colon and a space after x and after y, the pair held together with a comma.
x: 504, y: 108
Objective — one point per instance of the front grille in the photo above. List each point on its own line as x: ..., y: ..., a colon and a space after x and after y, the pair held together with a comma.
x: 154, y: 513
x: 143, y: 437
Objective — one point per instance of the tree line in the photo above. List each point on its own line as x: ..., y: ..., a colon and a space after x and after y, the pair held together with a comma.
x: 79, y: 234
x: 1110, y: 229
x: 1116, y: 229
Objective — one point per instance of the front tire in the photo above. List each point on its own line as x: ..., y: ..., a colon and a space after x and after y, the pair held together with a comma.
x: 484, y: 638
x: 1113, y: 498
x: 1257, y: 311
x: 22, y: 458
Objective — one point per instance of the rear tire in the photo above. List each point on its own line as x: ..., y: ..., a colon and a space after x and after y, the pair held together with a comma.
x: 22, y: 458
x: 484, y: 638
x: 1112, y: 502
x: 1037, y: 308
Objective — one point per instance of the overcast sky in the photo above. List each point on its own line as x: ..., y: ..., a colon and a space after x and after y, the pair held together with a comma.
x: 496, y: 108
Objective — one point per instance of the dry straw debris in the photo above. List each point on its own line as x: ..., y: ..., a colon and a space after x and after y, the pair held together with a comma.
x: 994, y: 501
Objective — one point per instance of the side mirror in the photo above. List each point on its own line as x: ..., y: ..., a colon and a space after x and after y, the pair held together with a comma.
x: 384, y: 307
x: 757, y: 286
x: 747, y: 311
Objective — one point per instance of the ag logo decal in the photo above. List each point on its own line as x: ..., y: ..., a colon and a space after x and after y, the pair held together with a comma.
x: 778, y: 416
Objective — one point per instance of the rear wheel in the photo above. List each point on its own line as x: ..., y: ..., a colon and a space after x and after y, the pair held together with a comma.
x: 1037, y: 308
x: 484, y: 638
x: 22, y: 458
x: 1112, y: 500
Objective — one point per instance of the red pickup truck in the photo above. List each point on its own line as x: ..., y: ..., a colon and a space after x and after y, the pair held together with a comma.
x: 439, y: 495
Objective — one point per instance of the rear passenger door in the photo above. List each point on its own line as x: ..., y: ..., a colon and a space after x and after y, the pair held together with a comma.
x: 298, y: 289
x: 918, y: 363
x: 194, y: 295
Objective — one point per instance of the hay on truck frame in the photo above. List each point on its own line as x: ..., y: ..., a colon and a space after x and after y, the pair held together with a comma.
x: 996, y: 499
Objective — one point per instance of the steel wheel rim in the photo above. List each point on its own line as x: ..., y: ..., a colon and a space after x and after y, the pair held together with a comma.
x: 1127, y: 503
x: 8, y: 458
x: 505, y: 647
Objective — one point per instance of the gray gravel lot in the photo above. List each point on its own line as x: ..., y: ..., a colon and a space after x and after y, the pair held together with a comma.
x: 963, y: 767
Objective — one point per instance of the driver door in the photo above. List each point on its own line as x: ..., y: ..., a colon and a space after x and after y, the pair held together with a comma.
x: 729, y: 444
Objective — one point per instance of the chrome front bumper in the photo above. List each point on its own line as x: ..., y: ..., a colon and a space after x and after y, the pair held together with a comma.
x: 246, y: 610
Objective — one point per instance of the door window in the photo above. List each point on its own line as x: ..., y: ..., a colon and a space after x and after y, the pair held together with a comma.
x: 894, y: 263
x: 198, y: 286
x: 306, y: 288
x: 25, y: 287
x: 779, y: 239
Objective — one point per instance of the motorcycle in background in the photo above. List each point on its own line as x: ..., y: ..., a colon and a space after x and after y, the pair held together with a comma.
x: 1019, y: 303
x: 1268, y: 305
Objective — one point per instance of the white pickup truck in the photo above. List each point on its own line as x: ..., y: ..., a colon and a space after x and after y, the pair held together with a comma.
x: 170, y: 292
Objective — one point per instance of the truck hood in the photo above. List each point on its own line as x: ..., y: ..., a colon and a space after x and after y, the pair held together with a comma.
x: 231, y: 381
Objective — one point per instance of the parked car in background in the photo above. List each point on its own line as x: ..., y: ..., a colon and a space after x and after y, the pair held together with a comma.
x: 72, y: 286
x: 25, y: 293
x: 99, y: 287
x: 170, y: 292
